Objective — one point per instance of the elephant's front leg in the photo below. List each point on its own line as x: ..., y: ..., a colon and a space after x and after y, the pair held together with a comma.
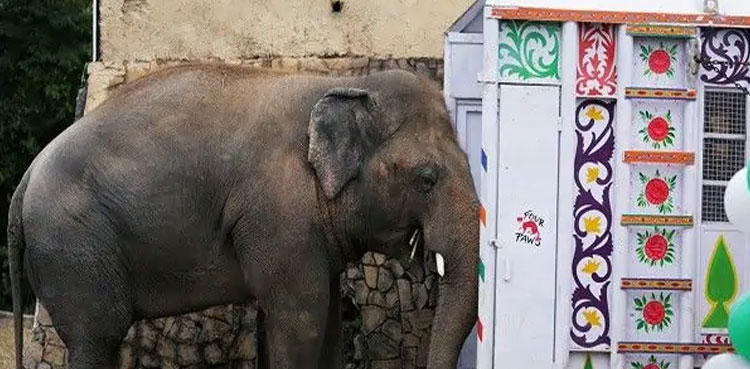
x: 295, y: 322
x: 332, y: 355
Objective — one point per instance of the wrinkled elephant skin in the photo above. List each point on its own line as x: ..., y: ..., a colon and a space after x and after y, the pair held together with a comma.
x: 204, y: 185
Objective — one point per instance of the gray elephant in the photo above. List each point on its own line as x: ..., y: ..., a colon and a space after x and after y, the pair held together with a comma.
x: 204, y: 185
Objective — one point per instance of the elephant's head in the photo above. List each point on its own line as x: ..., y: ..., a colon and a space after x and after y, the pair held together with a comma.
x: 391, y: 172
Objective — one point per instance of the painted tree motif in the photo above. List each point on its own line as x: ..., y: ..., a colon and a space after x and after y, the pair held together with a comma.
x: 588, y: 364
x: 655, y: 248
x: 657, y: 191
x: 721, y: 285
x: 660, y: 60
x: 656, y: 312
x: 652, y: 363
x: 529, y: 50
x: 658, y: 131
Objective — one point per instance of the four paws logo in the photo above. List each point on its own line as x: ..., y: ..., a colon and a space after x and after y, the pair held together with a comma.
x: 529, y: 228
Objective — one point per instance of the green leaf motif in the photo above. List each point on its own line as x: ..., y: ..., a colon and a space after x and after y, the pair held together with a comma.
x: 721, y: 285
x: 529, y: 50
x: 588, y: 364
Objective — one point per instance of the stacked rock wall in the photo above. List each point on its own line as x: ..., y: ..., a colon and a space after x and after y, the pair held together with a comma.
x: 388, y: 304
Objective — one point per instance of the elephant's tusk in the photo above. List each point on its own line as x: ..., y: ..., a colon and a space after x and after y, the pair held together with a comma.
x: 413, y: 242
x: 440, y: 263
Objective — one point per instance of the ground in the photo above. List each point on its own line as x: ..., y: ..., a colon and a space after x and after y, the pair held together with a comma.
x: 7, y: 352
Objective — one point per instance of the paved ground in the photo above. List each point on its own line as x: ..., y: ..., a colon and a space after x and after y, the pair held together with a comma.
x: 7, y: 352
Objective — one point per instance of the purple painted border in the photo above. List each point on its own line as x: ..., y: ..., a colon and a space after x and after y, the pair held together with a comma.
x: 600, y: 151
x: 725, y: 56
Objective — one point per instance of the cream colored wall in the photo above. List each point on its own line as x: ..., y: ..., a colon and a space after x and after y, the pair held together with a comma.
x: 145, y: 30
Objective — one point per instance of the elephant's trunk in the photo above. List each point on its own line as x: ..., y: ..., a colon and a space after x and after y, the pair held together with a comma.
x: 454, y: 233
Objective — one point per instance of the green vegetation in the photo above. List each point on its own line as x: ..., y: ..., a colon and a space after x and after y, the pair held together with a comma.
x: 44, y: 48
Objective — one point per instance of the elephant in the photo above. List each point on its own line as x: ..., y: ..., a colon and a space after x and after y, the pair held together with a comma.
x: 209, y: 184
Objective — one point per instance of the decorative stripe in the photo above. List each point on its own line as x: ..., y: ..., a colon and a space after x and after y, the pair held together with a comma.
x: 480, y: 330
x: 661, y: 31
x: 596, y: 74
x: 656, y: 284
x: 480, y: 269
x: 484, y: 160
x: 598, y: 16
x: 725, y: 56
x: 660, y: 93
x: 672, y: 348
x: 662, y: 157
x: 662, y: 220
x: 482, y: 215
x: 592, y: 224
x: 518, y: 61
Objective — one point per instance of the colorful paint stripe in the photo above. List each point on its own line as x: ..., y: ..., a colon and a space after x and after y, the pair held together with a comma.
x: 661, y: 157
x: 660, y: 93
x: 480, y: 270
x: 656, y: 284
x: 672, y: 348
x: 596, y: 76
x: 661, y: 31
x: 662, y: 220
x: 482, y: 215
x: 619, y: 17
x: 480, y: 330
x: 484, y: 160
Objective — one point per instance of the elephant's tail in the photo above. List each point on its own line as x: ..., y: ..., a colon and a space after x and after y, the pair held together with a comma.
x: 15, y: 251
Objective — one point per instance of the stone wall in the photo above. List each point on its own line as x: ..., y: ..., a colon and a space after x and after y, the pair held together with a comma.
x: 388, y: 304
x: 387, y: 315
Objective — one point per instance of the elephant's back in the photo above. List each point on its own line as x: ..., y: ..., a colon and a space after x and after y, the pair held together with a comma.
x: 163, y: 152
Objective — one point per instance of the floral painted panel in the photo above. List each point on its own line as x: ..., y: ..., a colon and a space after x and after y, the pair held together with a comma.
x: 654, y: 251
x: 529, y: 51
x: 592, y: 263
x: 725, y: 56
x: 657, y: 124
x: 597, y: 71
x: 659, y: 62
x: 650, y: 361
x: 653, y: 316
x: 656, y: 190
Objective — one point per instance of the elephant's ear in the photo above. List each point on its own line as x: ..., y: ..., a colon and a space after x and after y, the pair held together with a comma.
x: 341, y: 127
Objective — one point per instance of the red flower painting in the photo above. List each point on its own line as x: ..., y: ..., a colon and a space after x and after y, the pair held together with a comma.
x: 658, y: 130
x: 655, y: 248
x: 659, y: 60
x: 656, y: 312
x: 657, y: 191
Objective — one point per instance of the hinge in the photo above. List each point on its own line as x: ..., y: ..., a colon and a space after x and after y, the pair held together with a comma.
x: 559, y: 124
x: 495, y: 243
x: 484, y: 80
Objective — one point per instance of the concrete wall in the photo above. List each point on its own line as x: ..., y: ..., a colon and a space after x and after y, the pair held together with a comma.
x: 145, y: 30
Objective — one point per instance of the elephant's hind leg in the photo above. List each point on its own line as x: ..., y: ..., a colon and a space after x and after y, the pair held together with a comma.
x: 93, y: 322
x: 88, y: 296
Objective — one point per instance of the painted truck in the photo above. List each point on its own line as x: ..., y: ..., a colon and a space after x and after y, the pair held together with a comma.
x: 601, y: 136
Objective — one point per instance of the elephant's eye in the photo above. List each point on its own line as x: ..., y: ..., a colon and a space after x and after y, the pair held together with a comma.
x: 425, y: 179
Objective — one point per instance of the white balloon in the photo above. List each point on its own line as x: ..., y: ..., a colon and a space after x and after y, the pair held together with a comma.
x: 726, y: 361
x: 737, y: 201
